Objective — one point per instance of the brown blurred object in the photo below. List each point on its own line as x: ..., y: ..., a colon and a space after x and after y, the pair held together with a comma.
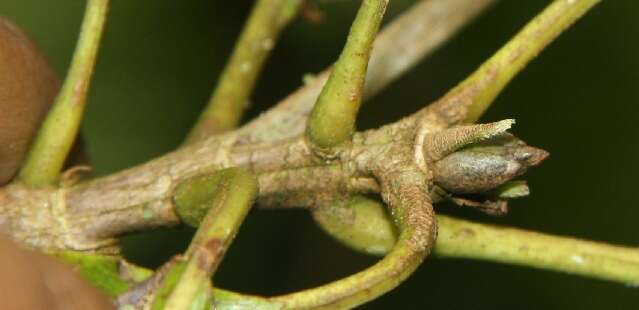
x: 30, y: 280
x: 28, y: 86
x: 312, y: 13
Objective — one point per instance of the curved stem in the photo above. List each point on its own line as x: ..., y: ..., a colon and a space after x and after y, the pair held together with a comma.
x: 332, y: 120
x: 413, y: 213
x: 457, y: 238
x: 230, y: 98
x: 361, y: 287
x: 58, y: 132
x: 464, y: 239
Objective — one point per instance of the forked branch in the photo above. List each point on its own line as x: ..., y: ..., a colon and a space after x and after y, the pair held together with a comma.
x: 409, y: 163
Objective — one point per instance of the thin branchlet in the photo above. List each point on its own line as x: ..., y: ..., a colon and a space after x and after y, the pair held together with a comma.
x: 55, y: 139
x: 409, y: 163
x: 401, y: 44
x: 228, y: 204
x: 332, y: 120
x: 231, y: 95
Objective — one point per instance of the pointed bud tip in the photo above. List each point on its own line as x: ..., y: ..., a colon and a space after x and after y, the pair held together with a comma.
x: 532, y: 156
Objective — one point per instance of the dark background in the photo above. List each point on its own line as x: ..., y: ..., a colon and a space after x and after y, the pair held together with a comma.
x: 579, y: 100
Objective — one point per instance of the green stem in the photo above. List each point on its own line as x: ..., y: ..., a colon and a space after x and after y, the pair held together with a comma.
x: 464, y: 239
x: 229, y: 195
x: 400, y: 45
x: 475, y: 94
x: 332, y: 120
x: 456, y: 239
x: 358, y: 222
x: 54, y: 141
x: 360, y: 287
x: 414, y: 216
x: 230, y: 98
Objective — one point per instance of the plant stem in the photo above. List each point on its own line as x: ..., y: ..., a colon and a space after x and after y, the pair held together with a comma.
x: 456, y: 239
x: 414, y: 35
x: 399, y: 46
x: 472, y: 97
x: 463, y: 239
x: 229, y: 194
x: 414, y: 215
x: 360, y: 287
x: 54, y: 141
x: 332, y: 120
x: 230, y: 98
x: 358, y: 222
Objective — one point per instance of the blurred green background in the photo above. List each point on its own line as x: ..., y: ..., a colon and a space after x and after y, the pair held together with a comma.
x: 579, y: 100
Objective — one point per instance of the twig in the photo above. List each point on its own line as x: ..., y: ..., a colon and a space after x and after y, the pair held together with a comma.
x: 470, y: 98
x: 398, y: 47
x: 473, y: 96
x: 141, y: 197
x: 230, y: 98
x: 413, y: 213
x: 229, y: 195
x: 186, y: 283
x: 396, y: 176
x: 60, y: 128
x: 463, y: 239
x: 332, y: 120
x: 456, y: 239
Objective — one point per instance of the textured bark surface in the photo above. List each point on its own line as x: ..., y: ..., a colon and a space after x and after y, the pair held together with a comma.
x: 432, y: 155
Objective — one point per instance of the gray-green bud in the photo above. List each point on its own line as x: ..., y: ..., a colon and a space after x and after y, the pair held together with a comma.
x: 486, y: 165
